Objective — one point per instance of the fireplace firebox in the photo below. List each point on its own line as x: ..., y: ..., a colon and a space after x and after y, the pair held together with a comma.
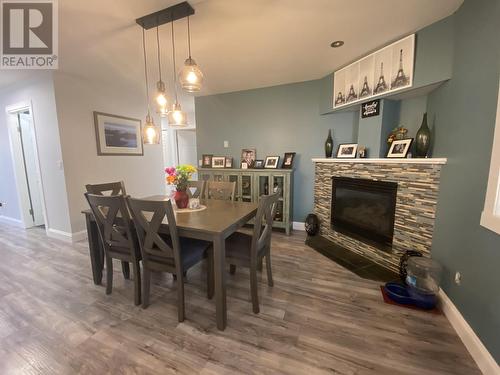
x: 364, y: 209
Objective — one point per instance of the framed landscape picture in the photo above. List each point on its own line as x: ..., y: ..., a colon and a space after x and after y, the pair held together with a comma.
x: 117, y: 135
x: 272, y: 162
x: 218, y: 162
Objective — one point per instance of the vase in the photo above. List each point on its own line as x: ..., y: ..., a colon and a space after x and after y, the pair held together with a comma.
x: 181, y: 199
x: 329, y: 145
x: 423, y: 139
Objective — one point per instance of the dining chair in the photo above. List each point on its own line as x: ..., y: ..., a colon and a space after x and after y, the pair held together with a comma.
x: 166, y: 252
x: 113, y: 188
x: 249, y: 250
x: 221, y: 190
x: 117, y: 235
x: 199, y: 189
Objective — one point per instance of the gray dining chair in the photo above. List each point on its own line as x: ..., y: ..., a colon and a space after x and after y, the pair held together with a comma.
x: 221, y: 190
x: 108, y: 188
x: 117, y: 236
x: 198, y: 189
x: 166, y: 252
x: 249, y: 250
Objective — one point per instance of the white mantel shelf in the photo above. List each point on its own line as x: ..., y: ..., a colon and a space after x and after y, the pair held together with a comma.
x: 382, y: 160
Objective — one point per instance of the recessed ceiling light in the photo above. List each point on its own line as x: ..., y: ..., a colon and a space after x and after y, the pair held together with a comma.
x: 337, y: 44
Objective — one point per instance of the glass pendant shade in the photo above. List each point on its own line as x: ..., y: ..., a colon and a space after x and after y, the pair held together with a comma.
x: 177, y: 117
x: 161, y: 98
x: 191, y: 77
x: 150, y: 132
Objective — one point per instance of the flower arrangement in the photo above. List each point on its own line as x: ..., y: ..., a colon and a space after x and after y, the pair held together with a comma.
x: 179, y: 176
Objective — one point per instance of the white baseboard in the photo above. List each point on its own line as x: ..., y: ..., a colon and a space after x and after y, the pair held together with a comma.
x: 11, y: 221
x: 67, y: 236
x: 478, y: 351
x: 78, y: 236
x: 297, y: 225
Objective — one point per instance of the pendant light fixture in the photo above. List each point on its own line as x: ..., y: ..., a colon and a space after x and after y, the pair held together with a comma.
x: 150, y: 132
x: 190, y: 77
x: 176, y: 117
x: 161, y: 97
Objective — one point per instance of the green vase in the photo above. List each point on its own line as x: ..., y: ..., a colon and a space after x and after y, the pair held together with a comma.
x: 329, y: 145
x: 423, y: 139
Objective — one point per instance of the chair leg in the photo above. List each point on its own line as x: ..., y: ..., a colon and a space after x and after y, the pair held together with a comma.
x: 126, y: 270
x: 137, y: 282
x: 146, y: 284
x: 109, y: 274
x: 260, y: 265
x: 270, y: 281
x: 180, y: 299
x: 253, y: 288
x: 232, y: 269
x: 210, y: 273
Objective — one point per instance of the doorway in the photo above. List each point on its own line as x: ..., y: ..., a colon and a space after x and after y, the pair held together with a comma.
x: 26, y: 165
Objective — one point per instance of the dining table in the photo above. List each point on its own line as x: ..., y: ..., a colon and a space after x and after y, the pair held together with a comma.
x: 215, y: 223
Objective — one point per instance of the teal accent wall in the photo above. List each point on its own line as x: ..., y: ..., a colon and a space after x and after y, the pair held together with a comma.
x: 274, y: 120
x: 462, y: 112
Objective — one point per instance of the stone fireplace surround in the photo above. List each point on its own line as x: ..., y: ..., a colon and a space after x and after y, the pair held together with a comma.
x: 416, y: 201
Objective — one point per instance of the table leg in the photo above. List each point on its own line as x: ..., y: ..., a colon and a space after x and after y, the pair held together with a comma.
x: 94, y: 250
x: 220, y: 281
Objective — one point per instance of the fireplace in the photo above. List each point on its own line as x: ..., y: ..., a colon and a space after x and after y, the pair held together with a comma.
x: 364, y: 209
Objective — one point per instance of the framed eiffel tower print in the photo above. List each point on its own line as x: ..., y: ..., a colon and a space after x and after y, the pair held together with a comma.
x: 378, y: 74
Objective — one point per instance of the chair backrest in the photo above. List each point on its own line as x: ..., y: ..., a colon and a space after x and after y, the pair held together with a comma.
x: 113, y: 222
x: 263, y: 224
x: 221, y: 190
x: 148, y: 217
x: 200, y: 189
x: 110, y: 188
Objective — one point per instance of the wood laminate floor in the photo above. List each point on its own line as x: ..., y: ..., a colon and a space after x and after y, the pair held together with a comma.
x: 318, y: 319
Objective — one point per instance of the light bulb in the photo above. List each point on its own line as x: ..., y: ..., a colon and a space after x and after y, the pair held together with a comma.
x: 161, y: 98
x: 177, y: 117
x: 150, y: 132
x: 191, y: 77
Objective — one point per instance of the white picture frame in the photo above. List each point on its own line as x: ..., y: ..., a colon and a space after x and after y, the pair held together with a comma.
x: 347, y: 150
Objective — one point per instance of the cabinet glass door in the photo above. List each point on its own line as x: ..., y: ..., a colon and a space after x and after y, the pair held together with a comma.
x: 278, y: 185
x: 218, y: 177
x: 234, y: 178
x: 263, y: 185
x: 204, y: 176
x: 246, y: 188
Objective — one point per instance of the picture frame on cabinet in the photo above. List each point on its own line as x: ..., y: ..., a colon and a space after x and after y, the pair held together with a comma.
x: 229, y: 162
x: 272, y: 162
x: 259, y: 164
x: 288, y: 160
x: 218, y: 162
x: 206, y: 161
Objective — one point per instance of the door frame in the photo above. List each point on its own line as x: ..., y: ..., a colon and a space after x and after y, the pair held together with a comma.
x: 19, y: 173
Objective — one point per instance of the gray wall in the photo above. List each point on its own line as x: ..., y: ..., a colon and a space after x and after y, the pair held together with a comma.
x: 274, y: 120
x: 463, y: 114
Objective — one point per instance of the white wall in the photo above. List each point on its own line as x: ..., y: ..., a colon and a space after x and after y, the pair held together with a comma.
x: 40, y: 92
x: 77, y: 98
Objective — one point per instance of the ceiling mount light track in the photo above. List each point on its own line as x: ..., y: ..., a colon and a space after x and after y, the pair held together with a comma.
x: 170, y: 14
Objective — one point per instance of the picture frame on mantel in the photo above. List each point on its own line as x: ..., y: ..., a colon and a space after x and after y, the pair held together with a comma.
x: 399, y: 148
x: 117, y: 135
x: 347, y: 150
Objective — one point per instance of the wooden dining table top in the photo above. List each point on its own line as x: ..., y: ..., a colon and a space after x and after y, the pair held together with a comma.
x: 218, y: 217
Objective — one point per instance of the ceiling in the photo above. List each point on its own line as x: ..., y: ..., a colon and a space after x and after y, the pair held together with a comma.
x: 239, y: 44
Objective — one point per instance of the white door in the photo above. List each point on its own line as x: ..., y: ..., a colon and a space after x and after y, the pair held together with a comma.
x: 26, y: 168
x: 28, y: 145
